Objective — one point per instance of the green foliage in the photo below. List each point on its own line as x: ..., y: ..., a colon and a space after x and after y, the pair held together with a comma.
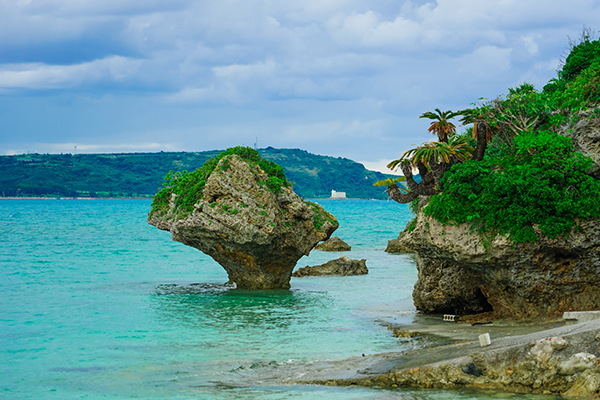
x: 188, y: 186
x: 315, y: 176
x: 413, y: 206
x: 436, y: 152
x: 441, y: 126
x: 577, y: 84
x: 541, y: 182
x: 411, y: 225
x: 141, y: 174
x: 579, y: 93
x: 580, y: 58
x: 389, y: 181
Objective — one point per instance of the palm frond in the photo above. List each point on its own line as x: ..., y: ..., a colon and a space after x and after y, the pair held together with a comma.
x: 389, y: 181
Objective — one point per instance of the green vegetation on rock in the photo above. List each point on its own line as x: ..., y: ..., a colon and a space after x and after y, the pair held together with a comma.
x: 539, y: 182
x: 321, y: 216
x: 523, y: 179
x: 188, y: 186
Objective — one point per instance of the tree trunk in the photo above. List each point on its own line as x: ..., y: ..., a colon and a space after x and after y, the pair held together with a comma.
x: 396, y: 194
x: 481, y: 135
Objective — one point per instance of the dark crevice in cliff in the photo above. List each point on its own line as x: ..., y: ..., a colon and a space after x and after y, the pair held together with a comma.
x: 485, y: 305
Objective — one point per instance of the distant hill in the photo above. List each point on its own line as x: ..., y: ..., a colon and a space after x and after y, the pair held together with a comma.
x: 142, y: 174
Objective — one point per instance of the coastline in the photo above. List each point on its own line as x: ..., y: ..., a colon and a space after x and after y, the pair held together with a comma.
x: 544, y: 358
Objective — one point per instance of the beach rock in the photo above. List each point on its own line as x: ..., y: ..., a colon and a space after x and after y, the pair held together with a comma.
x: 459, y: 275
x: 255, y: 234
x: 342, y: 266
x: 555, y: 361
x: 333, y: 244
x: 394, y: 246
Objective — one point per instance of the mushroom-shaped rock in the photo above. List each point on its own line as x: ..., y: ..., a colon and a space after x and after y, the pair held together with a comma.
x: 333, y: 244
x: 342, y: 266
x: 247, y: 220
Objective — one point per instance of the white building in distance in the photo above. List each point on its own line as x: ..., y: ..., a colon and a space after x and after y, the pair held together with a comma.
x: 338, y: 195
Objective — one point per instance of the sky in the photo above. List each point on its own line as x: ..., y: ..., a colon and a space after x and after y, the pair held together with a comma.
x: 343, y: 78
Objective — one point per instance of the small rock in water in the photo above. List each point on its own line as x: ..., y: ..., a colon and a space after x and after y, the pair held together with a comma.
x: 333, y: 244
x: 342, y: 266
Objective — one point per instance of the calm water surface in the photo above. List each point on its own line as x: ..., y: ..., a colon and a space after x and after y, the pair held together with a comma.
x: 95, y: 303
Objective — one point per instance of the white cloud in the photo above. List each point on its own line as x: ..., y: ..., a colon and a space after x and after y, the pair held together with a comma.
x: 486, y: 63
x: 41, y: 76
x: 381, y: 166
x: 332, y: 131
x: 370, y: 29
x: 530, y: 44
x: 193, y: 66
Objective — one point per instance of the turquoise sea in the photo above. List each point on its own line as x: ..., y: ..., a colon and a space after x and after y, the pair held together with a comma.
x: 95, y: 303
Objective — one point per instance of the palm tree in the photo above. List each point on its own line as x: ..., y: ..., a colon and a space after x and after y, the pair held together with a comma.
x: 432, y: 159
x: 482, y: 129
x: 436, y: 153
x: 441, y: 126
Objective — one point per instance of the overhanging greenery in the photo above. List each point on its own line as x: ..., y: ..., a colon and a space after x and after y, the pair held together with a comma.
x: 540, y: 182
x: 522, y: 174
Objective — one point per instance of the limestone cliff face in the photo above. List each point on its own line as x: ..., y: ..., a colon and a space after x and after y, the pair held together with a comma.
x: 585, y: 133
x: 459, y: 275
x: 255, y: 234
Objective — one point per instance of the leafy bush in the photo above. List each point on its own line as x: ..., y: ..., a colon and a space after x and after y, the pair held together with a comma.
x: 580, y: 58
x: 188, y: 186
x: 529, y: 177
x: 541, y: 182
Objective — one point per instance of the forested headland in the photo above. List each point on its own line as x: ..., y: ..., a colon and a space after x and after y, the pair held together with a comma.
x: 142, y: 174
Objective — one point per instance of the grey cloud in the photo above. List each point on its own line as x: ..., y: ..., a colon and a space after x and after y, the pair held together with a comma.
x: 329, y: 68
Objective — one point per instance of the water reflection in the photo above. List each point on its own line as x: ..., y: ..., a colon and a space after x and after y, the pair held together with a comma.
x: 239, y: 323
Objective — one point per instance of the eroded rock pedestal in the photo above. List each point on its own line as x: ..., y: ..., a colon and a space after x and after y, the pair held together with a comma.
x: 255, y: 234
x: 459, y: 275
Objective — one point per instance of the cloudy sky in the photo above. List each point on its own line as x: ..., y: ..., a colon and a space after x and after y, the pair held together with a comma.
x: 343, y: 78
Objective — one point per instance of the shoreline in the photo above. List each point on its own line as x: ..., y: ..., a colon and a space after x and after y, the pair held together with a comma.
x: 543, y: 358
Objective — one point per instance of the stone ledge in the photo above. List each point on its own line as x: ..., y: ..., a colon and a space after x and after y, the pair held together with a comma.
x: 576, y: 317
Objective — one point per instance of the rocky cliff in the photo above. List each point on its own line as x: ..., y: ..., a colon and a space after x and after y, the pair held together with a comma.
x: 584, y: 129
x: 459, y: 275
x: 255, y: 233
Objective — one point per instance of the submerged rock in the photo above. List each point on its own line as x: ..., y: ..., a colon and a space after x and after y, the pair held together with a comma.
x: 255, y: 233
x: 543, y: 279
x: 342, y: 266
x: 333, y: 244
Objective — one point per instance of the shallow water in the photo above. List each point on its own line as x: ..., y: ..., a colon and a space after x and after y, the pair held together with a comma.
x: 95, y: 303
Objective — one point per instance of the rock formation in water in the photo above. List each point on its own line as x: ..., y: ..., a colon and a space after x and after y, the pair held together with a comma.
x: 255, y: 233
x: 459, y: 275
x: 342, y: 266
x: 333, y: 244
